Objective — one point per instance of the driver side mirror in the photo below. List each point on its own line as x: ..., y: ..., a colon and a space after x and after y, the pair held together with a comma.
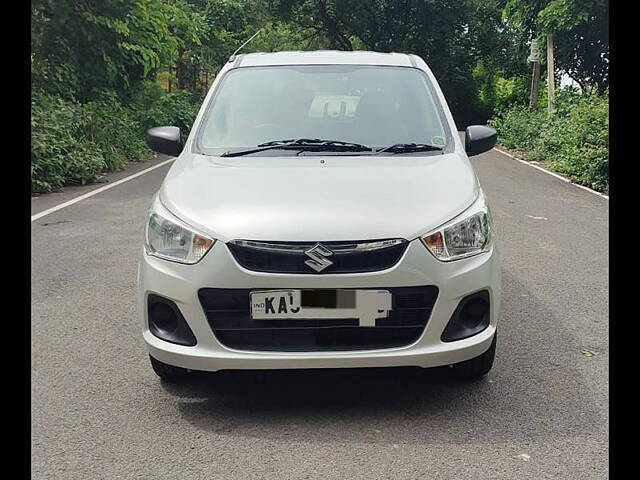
x: 479, y: 139
x: 165, y: 140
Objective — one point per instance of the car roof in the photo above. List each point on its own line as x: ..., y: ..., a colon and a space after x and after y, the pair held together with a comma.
x: 322, y: 57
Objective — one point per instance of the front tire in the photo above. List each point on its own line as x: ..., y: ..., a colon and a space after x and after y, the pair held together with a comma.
x: 168, y: 373
x: 477, y: 367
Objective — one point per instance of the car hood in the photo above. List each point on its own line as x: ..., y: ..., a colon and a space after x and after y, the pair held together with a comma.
x: 318, y: 198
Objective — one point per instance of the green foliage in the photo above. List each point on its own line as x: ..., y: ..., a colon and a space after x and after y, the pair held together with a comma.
x: 87, y: 46
x: 563, y: 15
x: 509, y: 92
x: 450, y: 35
x: 518, y: 127
x: 116, y: 130
x: 178, y: 109
x: 189, y: 28
x: 60, y: 151
x: 574, y: 141
x: 76, y: 142
x: 494, y: 93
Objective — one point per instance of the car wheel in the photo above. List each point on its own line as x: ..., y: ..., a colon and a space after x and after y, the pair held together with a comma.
x: 168, y: 373
x: 477, y: 367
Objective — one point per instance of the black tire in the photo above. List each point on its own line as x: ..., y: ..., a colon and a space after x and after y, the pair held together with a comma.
x: 168, y: 373
x: 477, y: 367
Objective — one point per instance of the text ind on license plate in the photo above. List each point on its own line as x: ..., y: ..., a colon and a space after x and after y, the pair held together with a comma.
x: 275, y: 303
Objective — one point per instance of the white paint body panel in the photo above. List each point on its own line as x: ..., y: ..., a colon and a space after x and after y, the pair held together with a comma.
x: 326, y: 57
x: 303, y: 199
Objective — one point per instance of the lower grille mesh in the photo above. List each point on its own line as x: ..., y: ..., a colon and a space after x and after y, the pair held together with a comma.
x: 228, y: 314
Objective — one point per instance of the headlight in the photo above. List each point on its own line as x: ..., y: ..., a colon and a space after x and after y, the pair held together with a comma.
x: 168, y: 238
x: 465, y: 236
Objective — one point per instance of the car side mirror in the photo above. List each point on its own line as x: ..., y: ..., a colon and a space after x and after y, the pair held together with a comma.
x: 479, y: 139
x: 165, y: 140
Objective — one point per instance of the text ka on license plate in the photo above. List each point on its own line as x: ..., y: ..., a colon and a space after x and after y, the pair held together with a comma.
x: 275, y: 304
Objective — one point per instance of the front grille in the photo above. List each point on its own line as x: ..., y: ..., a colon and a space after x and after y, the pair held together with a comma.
x: 342, y: 257
x: 228, y: 314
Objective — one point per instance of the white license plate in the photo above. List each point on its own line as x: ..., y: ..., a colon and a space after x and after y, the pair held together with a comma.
x: 365, y: 305
x: 275, y: 304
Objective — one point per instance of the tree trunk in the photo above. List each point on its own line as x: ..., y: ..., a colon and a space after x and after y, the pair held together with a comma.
x: 551, y: 81
x: 535, y: 85
x: 181, y: 71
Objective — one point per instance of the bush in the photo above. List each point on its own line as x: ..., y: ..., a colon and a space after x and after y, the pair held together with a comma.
x: 178, y: 109
x: 494, y: 93
x: 76, y: 142
x: 116, y: 130
x: 518, y: 127
x: 60, y: 153
x: 574, y: 141
x: 509, y: 92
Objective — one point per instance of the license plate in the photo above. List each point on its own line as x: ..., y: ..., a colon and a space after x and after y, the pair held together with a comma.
x: 365, y: 305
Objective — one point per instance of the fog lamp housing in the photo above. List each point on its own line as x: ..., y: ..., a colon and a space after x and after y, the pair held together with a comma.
x: 472, y: 316
x: 167, y: 323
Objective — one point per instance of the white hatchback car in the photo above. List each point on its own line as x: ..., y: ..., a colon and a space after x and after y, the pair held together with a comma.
x: 322, y: 213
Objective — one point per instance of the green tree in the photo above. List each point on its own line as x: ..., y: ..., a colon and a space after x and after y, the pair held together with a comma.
x: 581, y: 31
x: 451, y: 35
x: 82, y: 47
x: 581, y: 34
x: 189, y: 29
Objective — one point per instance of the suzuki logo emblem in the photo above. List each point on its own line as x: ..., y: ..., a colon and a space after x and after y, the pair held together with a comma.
x: 317, y: 255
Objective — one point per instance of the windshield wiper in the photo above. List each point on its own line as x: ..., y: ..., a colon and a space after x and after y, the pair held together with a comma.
x: 312, y: 141
x: 303, y: 144
x: 408, y: 147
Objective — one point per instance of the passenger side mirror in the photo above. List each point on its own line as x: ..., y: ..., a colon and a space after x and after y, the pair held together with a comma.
x: 165, y: 140
x: 479, y: 139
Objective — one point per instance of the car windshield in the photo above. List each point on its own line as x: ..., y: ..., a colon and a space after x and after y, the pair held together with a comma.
x: 372, y: 106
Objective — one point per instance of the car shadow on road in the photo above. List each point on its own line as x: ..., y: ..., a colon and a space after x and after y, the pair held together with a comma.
x: 533, y: 392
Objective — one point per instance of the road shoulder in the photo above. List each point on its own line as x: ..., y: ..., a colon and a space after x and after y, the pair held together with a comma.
x: 44, y: 201
x: 542, y: 168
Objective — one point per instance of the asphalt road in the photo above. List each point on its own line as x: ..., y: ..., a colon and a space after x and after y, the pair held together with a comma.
x: 98, y: 410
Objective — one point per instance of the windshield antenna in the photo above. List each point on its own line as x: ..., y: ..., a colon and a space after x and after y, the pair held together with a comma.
x: 233, y: 55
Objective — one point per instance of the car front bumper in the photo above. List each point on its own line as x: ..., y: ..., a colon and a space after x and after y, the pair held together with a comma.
x: 218, y: 269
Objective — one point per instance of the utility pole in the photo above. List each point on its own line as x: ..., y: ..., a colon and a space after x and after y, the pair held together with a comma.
x: 551, y: 85
x: 534, y: 57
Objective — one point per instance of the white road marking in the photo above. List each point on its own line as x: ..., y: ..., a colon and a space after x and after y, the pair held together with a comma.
x: 551, y: 173
x: 97, y: 191
x: 537, y: 218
